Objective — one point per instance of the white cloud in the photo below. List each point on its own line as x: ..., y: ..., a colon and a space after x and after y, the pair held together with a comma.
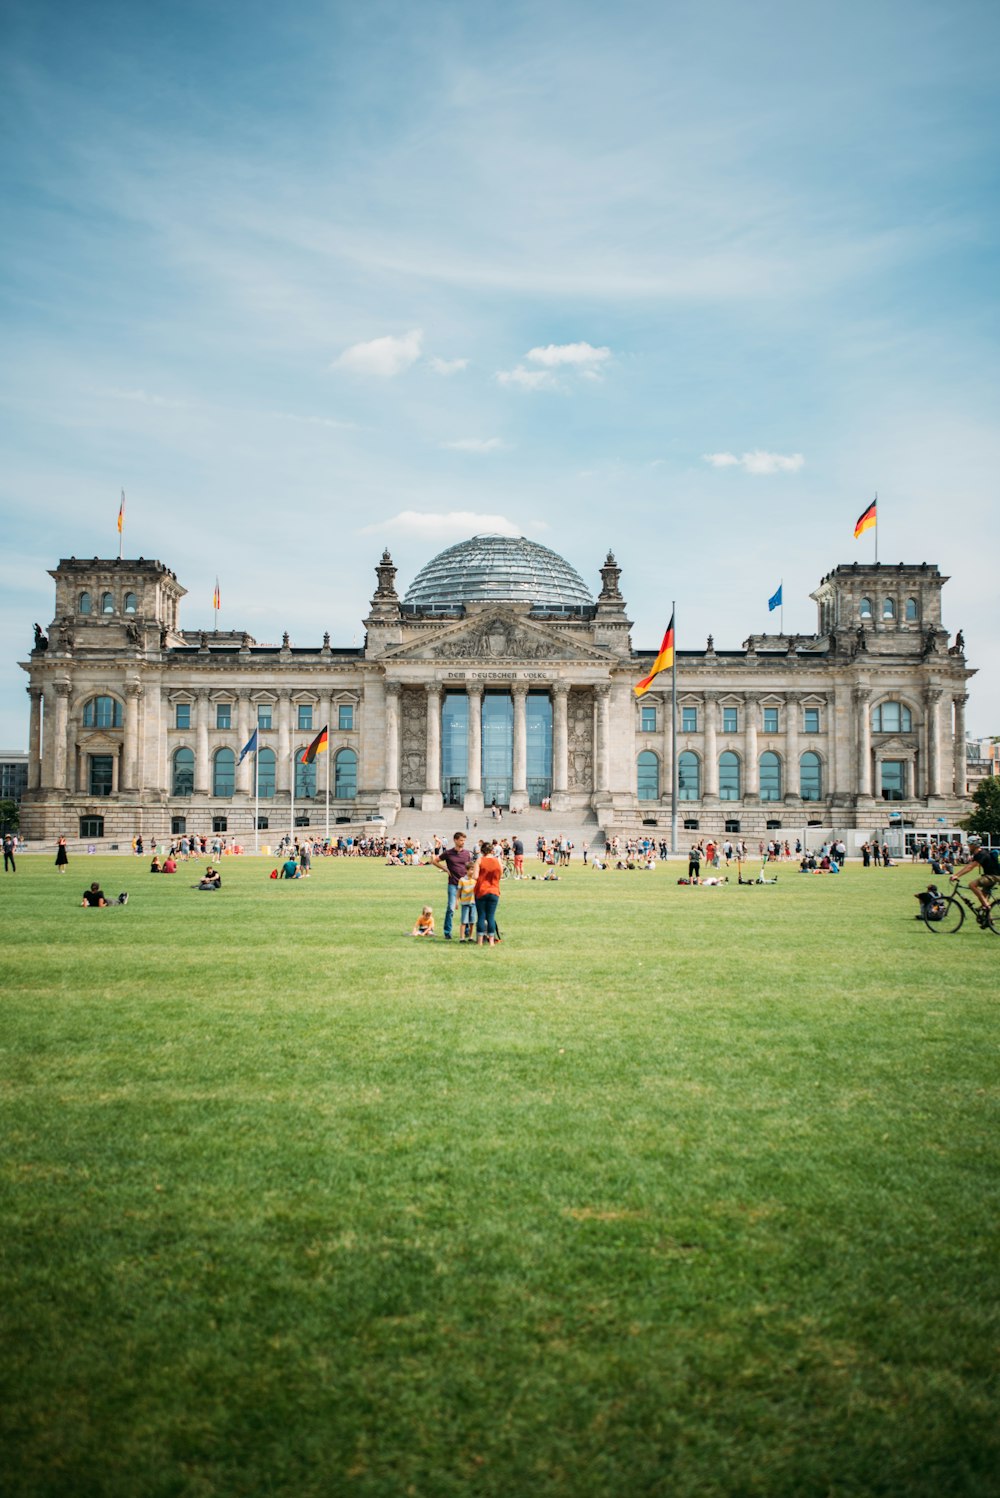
x: 527, y: 379
x: 455, y: 524
x: 384, y: 357
x: 758, y: 461
x: 447, y: 366
x: 554, y: 354
x: 475, y: 444
x: 145, y: 398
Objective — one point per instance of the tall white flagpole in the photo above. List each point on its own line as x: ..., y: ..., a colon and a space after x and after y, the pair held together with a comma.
x: 256, y: 796
x: 876, y: 525
x: 673, y: 735
x: 328, y: 756
x: 293, y: 794
x: 781, y: 585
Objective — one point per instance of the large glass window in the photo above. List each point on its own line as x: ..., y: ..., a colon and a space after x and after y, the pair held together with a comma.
x: 223, y: 715
x: 810, y: 719
x: 101, y: 774
x: 498, y: 747
x: 648, y: 776
x: 538, y: 726
x: 107, y: 604
x: 130, y: 603
x: 91, y: 826
x: 891, y: 717
x: 810, y: 777
x: 912, y: 611
x: 866, y: 608
x: 730, y: 720
x: 264, y: 714
x: 84, y: 603
x: 305, y: 715
x: 182, y: 715
x: 729, y: 776
x: 345, y: 775
x: 345, y: 717
x: 688, y: 777
x: 305, y: 777
x: 266, y: 763
x: 770, y: 777
x: 647, y: 719
x: 893, y: 779
x: 888, y: 609
x: 223, y: 772
x: 689, y: 720
x: 454, y: 747
x: 102, y: 712
x: 183, y: 777
x: 770, y: 720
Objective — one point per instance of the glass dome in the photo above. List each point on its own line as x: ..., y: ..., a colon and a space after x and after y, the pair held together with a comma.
x: 498, y: 568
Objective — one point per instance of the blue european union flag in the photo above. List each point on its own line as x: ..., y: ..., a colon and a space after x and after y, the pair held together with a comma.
x: 775, y: 600
x: 249, y: 747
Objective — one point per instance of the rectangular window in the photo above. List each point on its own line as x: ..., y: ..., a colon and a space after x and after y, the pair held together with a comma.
x: 690, y: 824
x: 305, y: 715
x: 100, y: 774
x: 91, y: 826
x: 223, y: 715
x: 178, y: 826
x: 770, y: 720
x: 345, y: 717
x: 689, y: 720
x: 263, y: 715
x: 811, y: 719
x: 262, y: 824
x: 182, y: 715
x: 220, y: 824
x: 893, y: 779
x: 730, y: 720
x: 647, y: 720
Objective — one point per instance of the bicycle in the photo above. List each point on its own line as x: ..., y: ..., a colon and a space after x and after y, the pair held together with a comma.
x: 953, y: 915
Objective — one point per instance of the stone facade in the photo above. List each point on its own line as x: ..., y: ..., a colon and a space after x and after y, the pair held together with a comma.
x: 136, y: 724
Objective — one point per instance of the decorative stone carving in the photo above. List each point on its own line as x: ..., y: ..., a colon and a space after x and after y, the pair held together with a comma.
x: 413, y: 741
x: 581, y: 741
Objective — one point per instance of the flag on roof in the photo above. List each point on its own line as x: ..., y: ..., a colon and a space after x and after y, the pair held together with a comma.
x: 866, y: 519
x: 775, y: 600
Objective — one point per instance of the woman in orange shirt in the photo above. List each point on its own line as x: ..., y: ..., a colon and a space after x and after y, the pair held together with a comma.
x: 488, y: 875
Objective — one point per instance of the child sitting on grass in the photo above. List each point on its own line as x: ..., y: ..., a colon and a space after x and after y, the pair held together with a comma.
x: 425, y: 923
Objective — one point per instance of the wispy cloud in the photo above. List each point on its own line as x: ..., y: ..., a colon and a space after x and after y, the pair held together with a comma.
x: 526, y: 379
x: 455, y: 525
x: 758, y: 461
x: 475, y: 445
x: 554, y: 354
x: 447, y: 366
x: 147, y: 398
x: 383, y: 357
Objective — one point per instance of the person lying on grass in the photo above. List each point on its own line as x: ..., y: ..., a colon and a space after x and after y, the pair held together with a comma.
x: 94, y: 897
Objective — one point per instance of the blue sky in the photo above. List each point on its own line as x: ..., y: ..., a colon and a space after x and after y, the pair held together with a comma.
x: 312, y: 280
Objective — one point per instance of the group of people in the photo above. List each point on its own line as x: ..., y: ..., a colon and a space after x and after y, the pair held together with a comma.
x: 474, y: 877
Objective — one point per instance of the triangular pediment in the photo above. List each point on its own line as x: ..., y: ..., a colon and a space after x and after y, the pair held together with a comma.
x: 496, y: 635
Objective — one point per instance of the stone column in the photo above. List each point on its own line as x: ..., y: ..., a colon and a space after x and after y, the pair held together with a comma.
x: 519, y: 792
x: 60, y: 735
x: 751, y: 766
x: 932, y: 742
x: 116, y: 773
x: 560, y: 742
x: 130, y: 757
x: 35, y: 739
x: 202, y: 784
x: 283, y: 767
x: 431, y: 799
x: 602, y: 700
x: 710, y: 779
x: 474, y: 771
x: 244, y: 772
x: 392, y: 694
x: 863, y: 731
x: 959, y: 702
x: 792, y: 796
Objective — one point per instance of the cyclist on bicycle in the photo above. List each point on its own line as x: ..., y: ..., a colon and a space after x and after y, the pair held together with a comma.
x: 986, y: 860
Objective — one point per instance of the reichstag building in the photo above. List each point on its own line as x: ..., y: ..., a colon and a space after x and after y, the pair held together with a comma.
x: 501, y: 677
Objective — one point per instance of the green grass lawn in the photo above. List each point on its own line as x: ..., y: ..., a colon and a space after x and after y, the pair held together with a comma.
x: 679, y: 1192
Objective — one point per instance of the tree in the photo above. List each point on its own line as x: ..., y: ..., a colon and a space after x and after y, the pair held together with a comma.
x: 986, y: 817
x: 10, y: 816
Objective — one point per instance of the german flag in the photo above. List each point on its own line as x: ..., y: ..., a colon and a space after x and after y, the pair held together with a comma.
x: 319, y: 745
x: 663, y: 661
x: 866, y: 520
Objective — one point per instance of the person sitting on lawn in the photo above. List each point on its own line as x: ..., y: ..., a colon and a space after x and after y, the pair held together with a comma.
x: 94, y: 897
x: 425, y: 923
x: 290, y: 868
x: 169, y: 865
x: 212, y: 879
x: 155, y: 867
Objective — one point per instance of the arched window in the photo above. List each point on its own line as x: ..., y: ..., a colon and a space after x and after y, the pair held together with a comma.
x: 888, y: 609
x: 891, y: 717
x: 866, y: 608
x: 345, y: 775
x: 102, y: 712
x: 305, y: 777
x: 130, y: 603
x: 810, y: 777
x: 107, y: 603
x: 223, y: 772
x: 648, y: 776
x: 183, y: 778
x: 729, y: 776
x: 770, y: 777
x: 84, y: 603
x: 912, y: 611
x: 688, y: 776
x: 266, y: 762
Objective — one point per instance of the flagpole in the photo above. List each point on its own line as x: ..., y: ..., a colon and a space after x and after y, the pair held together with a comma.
x: 293, y: 795
x: 256, y: 798
x: 673, y: 736
x: 876, y: 527
x: 121, y: 525
x: 328, y: 785
x: 781, y: 585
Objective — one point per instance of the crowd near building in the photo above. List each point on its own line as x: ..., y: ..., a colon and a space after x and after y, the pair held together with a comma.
x: 498, y: 678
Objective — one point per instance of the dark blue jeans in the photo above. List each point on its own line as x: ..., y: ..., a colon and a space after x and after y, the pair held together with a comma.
x: 486, y: 910
x: 449, y: 914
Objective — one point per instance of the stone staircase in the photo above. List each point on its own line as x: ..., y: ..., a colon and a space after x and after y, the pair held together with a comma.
x: 527, y: 825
